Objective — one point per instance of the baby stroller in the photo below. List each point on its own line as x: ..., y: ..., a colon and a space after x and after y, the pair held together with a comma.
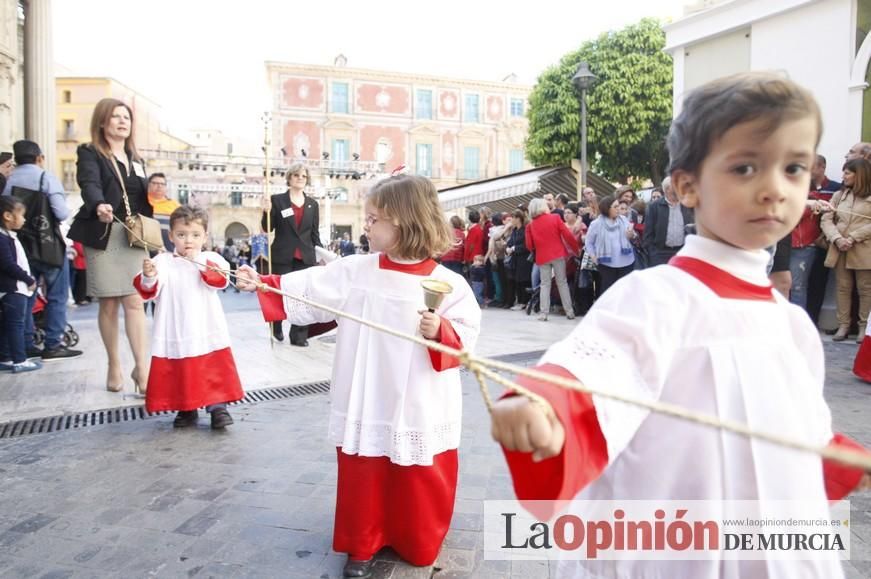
x: 69, y: 339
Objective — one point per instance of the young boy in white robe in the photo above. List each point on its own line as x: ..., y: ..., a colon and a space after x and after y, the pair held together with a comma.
x: 705, y: 332
x: 395, y: 406
x: 192, y: 365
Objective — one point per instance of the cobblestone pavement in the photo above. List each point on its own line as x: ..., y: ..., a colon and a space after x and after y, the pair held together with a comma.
x: 139, y: 499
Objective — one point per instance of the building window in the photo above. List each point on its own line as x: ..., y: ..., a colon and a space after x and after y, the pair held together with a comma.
x: 383, y: 151
x: 235, y: 197
x: 515, y: 160
x: 472, y: 114
x: 341, y: 147
x: 424, y: 104
x: 69, y: 175
x: 68, y: 97
x: 516, y: 107
x: 183, y: 194
x: 339, y: 194
x: 424, y: 160
x: 339, y: 100
x: 471, y: 156
x: 69, y: 130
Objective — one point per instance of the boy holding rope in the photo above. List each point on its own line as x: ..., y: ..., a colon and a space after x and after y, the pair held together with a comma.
x: 191, y: 363
x: 710, y: 335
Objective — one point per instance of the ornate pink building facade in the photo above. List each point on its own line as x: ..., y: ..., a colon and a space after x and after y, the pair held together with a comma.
x: 450, y: 130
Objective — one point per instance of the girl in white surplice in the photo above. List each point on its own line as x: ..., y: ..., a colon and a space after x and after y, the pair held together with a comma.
x: 395, y: 406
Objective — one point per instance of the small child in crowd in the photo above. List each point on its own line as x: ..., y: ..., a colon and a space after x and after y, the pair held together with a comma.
x: 711, y: 336
x: 191, y: 364
x: 396, y: 407
x: 477, y: 273
x: 16, y: 286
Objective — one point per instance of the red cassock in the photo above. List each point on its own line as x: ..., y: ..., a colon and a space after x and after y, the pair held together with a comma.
x: 862, y: 363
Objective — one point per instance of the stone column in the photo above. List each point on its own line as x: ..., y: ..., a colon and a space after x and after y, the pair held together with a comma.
x: 39, y: 80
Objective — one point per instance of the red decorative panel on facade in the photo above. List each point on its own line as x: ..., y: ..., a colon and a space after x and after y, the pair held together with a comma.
x: 307, y: 93
x: 376, y: 98
x: 383, y: 144
x: 495, y: 109
x: 449, y: 104
x: 300, y: 135
x: 449, y: 154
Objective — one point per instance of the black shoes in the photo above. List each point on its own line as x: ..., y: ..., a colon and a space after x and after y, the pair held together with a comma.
x: 34, y: 352
x: 277, y: 334
x: 185, y: 418
x: 360, y: 569
x: 60, y: 353
x: 221, y: 418
x: 300, y: 343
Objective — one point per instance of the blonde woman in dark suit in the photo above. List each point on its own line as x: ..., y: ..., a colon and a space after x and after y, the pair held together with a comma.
x: 294, y: 217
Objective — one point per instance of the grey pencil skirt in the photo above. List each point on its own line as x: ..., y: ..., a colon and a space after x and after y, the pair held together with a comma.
x: 111, y: 271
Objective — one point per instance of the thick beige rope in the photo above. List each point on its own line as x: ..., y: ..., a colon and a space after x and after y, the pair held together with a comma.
x: 481, y: 368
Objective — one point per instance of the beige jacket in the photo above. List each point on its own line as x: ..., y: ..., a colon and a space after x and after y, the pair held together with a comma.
x: 851, y: 218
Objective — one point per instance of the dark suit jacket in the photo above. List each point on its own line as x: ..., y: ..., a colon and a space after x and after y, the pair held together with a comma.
x: 10, y: 271
x: 656, y: 224
x: 99, y: 183
x: 287, y: 237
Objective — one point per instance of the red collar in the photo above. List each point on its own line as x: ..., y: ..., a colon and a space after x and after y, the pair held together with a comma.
x: 722, y: 283
x: 424, y: 267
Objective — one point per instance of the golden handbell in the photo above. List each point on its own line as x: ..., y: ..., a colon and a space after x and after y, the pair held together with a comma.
x: 434, y: 292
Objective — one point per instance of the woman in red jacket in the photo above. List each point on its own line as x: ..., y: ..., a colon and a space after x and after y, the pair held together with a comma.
x: 453, y: 258
x: 552, y: 242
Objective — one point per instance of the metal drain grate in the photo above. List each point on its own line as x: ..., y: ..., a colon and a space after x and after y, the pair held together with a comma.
x: 114, y: 415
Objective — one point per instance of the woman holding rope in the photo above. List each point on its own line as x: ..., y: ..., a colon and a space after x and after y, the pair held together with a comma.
x: 711, y: 336
x: 111, y: 263
x: 395, y: 406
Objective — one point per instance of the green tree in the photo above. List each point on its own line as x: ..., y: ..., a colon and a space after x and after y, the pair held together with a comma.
x: 628, y: 109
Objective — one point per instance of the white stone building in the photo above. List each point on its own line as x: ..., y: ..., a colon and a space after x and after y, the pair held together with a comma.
x: 821, y: 44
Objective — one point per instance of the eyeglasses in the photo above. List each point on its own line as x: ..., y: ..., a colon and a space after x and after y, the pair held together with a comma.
x: 157, y: 184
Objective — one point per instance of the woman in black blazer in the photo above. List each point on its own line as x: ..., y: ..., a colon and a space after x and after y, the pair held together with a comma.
x: 295, y: 220
x: 111, y: 262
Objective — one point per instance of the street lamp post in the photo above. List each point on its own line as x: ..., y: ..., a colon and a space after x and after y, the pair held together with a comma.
x: 583, y: 81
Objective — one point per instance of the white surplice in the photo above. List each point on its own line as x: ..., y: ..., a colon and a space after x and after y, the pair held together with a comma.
x: 188, y: 319
x: 386, y: 399
x: 661, y: 334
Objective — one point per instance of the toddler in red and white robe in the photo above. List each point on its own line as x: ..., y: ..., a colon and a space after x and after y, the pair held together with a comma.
x: 191, y: 364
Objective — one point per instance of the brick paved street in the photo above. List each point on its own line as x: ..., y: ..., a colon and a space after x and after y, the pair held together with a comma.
x: 139, y: 499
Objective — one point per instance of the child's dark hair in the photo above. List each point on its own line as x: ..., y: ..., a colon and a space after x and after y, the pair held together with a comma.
x: 188, y: 215
x: 714, y: 108
x: 8, y: 203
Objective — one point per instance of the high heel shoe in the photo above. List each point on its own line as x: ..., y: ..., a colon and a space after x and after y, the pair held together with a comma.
x: 138, y: 387
x: 117, y: 386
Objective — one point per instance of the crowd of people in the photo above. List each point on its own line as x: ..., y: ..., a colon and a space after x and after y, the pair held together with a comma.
x: 552, y: 251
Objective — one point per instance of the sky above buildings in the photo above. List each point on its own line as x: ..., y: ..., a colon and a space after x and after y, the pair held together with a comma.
x: 203, y: 60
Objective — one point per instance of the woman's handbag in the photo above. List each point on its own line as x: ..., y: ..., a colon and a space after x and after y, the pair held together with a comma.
x: 142, y: 232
